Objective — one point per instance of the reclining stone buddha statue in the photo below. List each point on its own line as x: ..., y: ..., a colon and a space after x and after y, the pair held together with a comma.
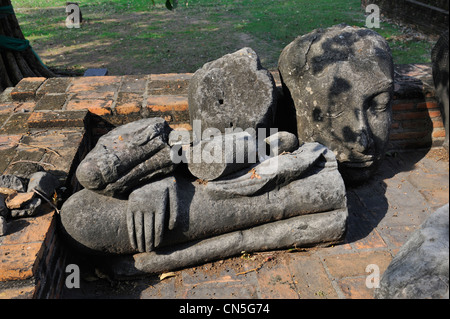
x: 157, y: 214
x: 294, y: 199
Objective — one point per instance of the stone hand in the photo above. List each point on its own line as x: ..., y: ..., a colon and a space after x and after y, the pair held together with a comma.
x: 150, y: 208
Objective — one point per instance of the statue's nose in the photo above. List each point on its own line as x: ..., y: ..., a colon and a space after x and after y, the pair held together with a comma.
x: 364, y: 141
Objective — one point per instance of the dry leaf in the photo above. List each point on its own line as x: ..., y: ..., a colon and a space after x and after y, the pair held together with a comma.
x: 167, y: 275
x: 254, y: 175
x: 120, y: 138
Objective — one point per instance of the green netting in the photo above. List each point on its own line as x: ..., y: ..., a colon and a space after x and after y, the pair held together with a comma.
x: 9, y: 43
x: 14, y: 44
x: 7, y: 10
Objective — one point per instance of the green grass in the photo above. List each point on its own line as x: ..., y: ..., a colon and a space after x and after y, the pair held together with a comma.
x: 133, y: 36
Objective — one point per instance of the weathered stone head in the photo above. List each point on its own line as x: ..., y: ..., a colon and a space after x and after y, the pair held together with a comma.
x: 341, y: 83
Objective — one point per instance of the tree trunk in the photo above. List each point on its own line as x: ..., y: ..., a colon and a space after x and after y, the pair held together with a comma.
x: 15, y: 65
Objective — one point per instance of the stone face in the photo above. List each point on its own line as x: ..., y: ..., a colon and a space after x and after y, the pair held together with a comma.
x: 234, y: 91
x: 420, y: 270
x: 340, y: 81
x: 127, y: 157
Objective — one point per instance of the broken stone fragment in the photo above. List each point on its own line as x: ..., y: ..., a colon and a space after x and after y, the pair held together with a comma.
x: 12, y: 182
x: 127, y: 157
x: 282, y: 142
x: 44, y: 182
x: 420, y: 269
x: 234, y: 91
x: 28, y: 210
x: 222, y: 155
x: 18, y: 200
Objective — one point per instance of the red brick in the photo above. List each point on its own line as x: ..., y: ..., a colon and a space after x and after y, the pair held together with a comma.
x: 25, y: 292
x: 57, y: 119
x: 428, y: 105
x: 408, y: 135
x: 36, y: 230
x: 395, y: 125
x: 6, y: 108
x: 355, y: 288
x: 186, y: 127
x: 128, y: 103
x: 95, y: 83
x: 128, y: 108
x: 134, y: 83
x: 373, y: 240
x: 166, y: 103
x: 92, y: 95
x: 354, y: 264
x: 438, y: 133
x: 54, y: 86
x: 416, y: 124
x: 17, y: 261
x: 276, y: 283
x: 409, y: 116
x: 171, y: 77
x: 98, y: 107
x: 25, y: 107
x: 310, y: 277
x: 26, y: 88
x: 434, y: 114
x: 16, y: 107
x: 8, y: 141
x: 403, y: 106
x: 438, y: 124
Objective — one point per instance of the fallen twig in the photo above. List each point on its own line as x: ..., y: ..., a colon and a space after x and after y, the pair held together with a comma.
x: 41, y: 147
x: 31, y: 162
x: 46, y: 199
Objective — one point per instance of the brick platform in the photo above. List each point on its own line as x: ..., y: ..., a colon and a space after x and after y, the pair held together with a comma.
x: 54, y: 122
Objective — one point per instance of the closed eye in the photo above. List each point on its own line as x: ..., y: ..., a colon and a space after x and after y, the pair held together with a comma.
x: 378, y: 103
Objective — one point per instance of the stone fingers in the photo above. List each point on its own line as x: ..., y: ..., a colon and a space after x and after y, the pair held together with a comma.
x: 149, y: 233
x: 160, y: 216
x: 140, y: 230
x: 130, y: 228
x: 173, y: 202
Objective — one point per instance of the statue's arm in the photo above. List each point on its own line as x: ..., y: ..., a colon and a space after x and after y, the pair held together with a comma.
x: 278, y: 170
